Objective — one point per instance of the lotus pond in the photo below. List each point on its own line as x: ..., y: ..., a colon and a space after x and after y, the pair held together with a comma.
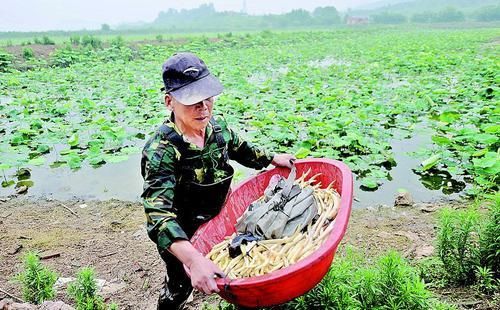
x: 405, y: 108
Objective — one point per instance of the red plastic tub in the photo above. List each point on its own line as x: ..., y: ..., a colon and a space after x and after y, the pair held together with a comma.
x: 288, y: 283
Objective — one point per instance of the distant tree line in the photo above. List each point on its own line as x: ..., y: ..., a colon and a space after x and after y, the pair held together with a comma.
x: 447, y: 15
x: 206, y: 18
x: 488, y: 13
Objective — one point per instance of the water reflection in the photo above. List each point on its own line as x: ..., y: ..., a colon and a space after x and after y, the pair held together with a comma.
x: 404, y: 176
x: 114, y: 180
x: 440, y: 180
x: 123, y: 180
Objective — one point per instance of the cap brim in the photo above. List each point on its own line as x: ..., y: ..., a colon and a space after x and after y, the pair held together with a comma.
x: 199, y: 90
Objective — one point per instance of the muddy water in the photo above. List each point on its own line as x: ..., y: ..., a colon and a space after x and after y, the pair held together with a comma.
x: 403, y: 177
x: 115, y: 180
x: 5, y: 100
x: 327, y: 62
x: 123, y: 180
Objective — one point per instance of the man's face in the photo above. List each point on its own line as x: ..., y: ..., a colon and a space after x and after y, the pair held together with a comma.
x: 192, y: 117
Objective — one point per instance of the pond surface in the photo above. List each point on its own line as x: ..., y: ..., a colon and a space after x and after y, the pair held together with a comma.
x: 421, y: 188
x: 123, y: 180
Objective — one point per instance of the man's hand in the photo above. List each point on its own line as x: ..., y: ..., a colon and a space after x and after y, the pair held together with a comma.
x: 203, y: 275
x: 283, y: 160
x: 203, y: 271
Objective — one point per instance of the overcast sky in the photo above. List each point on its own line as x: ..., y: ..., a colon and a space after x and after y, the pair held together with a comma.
x: 41, y: 15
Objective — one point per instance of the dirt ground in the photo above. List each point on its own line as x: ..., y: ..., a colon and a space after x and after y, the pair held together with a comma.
x: 39, y: 50
x: 110, y: 236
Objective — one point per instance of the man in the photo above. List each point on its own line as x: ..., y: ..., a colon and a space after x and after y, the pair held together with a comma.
x: 187, y: 175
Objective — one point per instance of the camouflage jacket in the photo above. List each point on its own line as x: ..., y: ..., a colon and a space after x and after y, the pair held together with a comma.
x: 158, y: 168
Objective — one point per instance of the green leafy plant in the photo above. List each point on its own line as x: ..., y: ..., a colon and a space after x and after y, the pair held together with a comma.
x: 91, y: 41
x: 117, y: 42
x: 64, y: 57
x: 353, y: 283
x: 432, y: 272
x: 400, y: 284
x: 47, y: 41
x: 457, y: 243
x: 5, y: 61
x: 486, y: 283
x: 489, y: 241
x: 84, y: 292
x: 74, y: 39
x: 37, y: 280
x: 28, y: 53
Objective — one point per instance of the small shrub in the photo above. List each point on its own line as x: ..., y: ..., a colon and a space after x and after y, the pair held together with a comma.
x: 439, y: 305
x: 432, y: 272
x: 353, y: 283
x: 400, y: 284
x: 74, y: 39
x: 113, y: 306
x: 457, y: 243
x: 204, y: 40
x: 485, y: 283
x: 489, y: 241
x: 468, y: 246
x: 5, y: 61
x: 117, y: 42
x: 37, y: 280
x: 91, y: 41
x: 64, y: 57
x: 105, y: 27
x: 84, y: 292
x: 47, y: 41
x: 159, y: 38
x: 28, y: 53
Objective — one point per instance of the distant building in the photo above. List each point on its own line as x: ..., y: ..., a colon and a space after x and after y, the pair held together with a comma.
x: 357, y: 20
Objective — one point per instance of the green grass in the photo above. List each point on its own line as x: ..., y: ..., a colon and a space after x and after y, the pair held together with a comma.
x: 489, y: 241
x: 468, y: 249
x: 458, y: 244
x: 354, y: 282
